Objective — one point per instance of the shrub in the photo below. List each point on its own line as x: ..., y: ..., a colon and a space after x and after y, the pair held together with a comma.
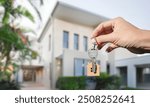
x: 107, y: 82
x: 9, y: 85
x: 71, y: 83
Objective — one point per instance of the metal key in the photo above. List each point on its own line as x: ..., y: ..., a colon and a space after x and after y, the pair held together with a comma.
x: 93, y: 52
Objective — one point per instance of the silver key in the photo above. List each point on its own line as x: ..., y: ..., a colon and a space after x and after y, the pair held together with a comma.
x: 93, y: 52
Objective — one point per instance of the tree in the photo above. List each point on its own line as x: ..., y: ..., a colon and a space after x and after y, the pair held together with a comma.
x: 11, y: 38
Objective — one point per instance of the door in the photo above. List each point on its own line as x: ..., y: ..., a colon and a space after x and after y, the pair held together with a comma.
x: 29, y: 75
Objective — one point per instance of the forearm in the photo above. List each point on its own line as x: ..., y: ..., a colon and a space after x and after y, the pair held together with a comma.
x: 145, y: 40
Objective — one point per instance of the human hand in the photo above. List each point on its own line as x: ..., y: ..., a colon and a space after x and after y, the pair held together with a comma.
x: 121, y: 33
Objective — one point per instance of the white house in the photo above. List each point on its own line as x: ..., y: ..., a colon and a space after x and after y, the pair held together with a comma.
x: 63, y: 46
x: 66, y: 39
x: 134, y: 69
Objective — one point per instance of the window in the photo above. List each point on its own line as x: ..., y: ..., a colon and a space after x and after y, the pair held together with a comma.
x: 80, y: 67
x: 65, y: 39
x: 76, y: 41
x: 85, y: 43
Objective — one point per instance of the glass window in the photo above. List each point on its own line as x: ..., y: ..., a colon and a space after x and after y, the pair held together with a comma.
x: 76, y: 41
x: 65, y: 39
x: 79, y: 67
x: 85, y: 43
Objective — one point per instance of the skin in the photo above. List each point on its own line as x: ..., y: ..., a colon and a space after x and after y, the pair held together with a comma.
x: 120, y: 33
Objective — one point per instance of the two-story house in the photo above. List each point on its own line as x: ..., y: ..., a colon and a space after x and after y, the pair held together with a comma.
x: 65, y: 41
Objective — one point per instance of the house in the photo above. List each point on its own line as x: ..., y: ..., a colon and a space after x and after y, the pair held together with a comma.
x: 134, y: 69
x: 63, y: 46
x: 65, y: 41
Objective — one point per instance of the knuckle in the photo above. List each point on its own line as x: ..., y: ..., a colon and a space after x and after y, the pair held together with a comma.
x: 119, y: 19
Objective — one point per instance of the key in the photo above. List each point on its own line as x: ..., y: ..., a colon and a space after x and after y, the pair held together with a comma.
x: 89, y: 70
x: 93, y: 52
x: 92, y: 67
x: 93, y: 58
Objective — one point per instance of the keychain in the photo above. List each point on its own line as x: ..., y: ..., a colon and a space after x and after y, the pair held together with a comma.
x: 93, y: 69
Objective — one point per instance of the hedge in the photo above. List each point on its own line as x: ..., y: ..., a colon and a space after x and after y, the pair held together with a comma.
x: 107, y: 82
x: 71, y: 83
x: 9, y: 85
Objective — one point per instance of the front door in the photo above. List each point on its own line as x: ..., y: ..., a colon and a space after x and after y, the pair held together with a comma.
x: 29, y: 75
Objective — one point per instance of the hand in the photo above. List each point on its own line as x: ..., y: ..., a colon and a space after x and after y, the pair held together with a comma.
x: 121, y: 33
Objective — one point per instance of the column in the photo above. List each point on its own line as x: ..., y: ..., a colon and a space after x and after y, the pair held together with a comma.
x: 131, y: 74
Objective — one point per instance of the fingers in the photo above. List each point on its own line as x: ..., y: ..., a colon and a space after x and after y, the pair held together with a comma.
x: 101, y: 45
x: 108, y: 38
x: 111, y: 47
x: 103, y: 28
x: 102, y: 40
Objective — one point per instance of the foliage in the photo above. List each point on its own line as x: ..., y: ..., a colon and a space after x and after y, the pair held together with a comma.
x: 71, y: 83
x: 5, y: 75
x: 129, y: 88
x: 9, y: 85
x: 12, y: 38
x: 11, y: 41
x: 11, y: 11
x: 107, y: 82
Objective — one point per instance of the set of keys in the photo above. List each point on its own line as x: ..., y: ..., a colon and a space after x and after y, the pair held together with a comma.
x: 93, y: 69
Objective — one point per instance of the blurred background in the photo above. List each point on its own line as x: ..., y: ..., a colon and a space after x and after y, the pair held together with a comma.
x: 58, y: 41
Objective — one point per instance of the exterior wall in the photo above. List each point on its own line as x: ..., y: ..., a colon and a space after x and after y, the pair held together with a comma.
x: 64, y: 56
x: 60, y: 26
x: 122, y: 53
x: 44, y: 50
x: 118, y: 54
x: 68, y: 55
x: 46, y: 56
x: 123, y: 58
x: 68, y: 61
x: 131, y: 64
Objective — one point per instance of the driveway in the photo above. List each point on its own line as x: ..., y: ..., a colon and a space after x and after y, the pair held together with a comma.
x: 33, y: 86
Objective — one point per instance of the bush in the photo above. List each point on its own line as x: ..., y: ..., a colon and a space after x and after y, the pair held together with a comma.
x: 71, y: 83
x: 107, y: 82
x: 9, y: 85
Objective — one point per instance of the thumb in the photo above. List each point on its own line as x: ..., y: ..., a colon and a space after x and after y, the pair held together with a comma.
x: 111, y: 47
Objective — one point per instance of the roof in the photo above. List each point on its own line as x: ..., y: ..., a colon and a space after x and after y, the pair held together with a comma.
x: 77, y: 15
x: 73, y: 14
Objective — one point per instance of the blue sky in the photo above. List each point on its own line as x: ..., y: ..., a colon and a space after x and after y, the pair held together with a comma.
x: 135, y: 11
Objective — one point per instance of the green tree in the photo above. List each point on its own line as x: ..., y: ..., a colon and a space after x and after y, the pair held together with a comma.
x: 11, y: 38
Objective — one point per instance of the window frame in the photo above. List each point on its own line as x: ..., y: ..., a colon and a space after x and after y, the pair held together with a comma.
x: 76, y: 44
x: 85, y: 43
x: 66, y: 47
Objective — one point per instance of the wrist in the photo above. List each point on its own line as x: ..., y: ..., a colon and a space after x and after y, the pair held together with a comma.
x: 145, y: 40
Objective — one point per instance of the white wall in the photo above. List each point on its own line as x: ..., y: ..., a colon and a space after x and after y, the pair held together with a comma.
x: 46, y: 54
x: 60, y: 26
x: 122, y: 53
x: 68, y: 56
x: 68, y: 61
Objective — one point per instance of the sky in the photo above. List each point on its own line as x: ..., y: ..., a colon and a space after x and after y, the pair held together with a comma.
x: 136, y: 12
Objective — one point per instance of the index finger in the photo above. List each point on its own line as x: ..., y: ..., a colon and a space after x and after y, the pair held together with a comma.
x: 103, y: 28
